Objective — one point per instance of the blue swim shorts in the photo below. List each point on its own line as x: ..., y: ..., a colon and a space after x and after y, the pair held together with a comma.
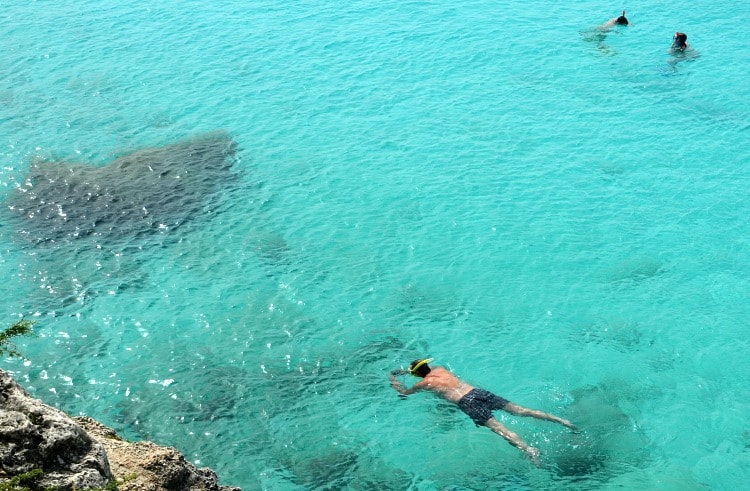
x: 480, y: 403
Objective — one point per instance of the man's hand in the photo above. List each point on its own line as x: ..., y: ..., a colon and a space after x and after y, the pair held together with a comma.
x: 398, y: 386
x: 403, y: 392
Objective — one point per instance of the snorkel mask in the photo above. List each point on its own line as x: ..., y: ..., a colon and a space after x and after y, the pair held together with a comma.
x: 415, y: 366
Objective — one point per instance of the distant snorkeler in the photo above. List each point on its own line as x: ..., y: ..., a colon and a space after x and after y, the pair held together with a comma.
x: 616, y: 21
x: 679, y: 42
x: 680, y: 51
x: 599, y: 33
x: 478, y: 404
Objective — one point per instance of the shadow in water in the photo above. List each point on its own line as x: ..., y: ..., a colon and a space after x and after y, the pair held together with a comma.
x: 608, y: 442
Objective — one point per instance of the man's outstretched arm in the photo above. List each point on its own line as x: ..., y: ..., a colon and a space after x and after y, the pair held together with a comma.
x: 522, y: 411
x: 399, y: 386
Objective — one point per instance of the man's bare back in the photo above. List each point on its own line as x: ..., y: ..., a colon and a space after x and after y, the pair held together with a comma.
x: 445, y: 384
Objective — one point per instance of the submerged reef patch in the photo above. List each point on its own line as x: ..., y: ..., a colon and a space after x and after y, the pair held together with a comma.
x: 146, y: 191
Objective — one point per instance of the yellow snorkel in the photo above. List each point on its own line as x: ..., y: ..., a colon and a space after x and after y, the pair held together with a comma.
x: 414, y: 369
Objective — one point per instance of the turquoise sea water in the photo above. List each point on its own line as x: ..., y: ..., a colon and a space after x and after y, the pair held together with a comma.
x: 556, y: 215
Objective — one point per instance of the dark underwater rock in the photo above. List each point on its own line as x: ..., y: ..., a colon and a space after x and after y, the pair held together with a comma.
x: 609, y: 441
x: 147, y: 191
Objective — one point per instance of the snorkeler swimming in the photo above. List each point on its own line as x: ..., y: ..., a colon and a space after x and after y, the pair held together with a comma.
x: 477, y: 403
x: 619, y: 21
x: 679, y: 42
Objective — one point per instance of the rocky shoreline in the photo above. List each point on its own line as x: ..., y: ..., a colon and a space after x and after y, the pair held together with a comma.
x: 43, y: 448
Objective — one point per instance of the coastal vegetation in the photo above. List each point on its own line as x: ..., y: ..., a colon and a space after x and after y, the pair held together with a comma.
x: 21, y: 482
x: 19, y: 328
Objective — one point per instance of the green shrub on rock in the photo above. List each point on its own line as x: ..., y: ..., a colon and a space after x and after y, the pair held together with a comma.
x: 19, y: 482
x: 18, y: 328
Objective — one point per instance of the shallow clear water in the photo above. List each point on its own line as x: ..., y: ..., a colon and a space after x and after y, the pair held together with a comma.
x: 558, y: 216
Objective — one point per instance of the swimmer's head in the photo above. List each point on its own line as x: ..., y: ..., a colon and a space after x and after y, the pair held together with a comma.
x: 680, y: 40
x: 420, y: 368
x: 622, y: 20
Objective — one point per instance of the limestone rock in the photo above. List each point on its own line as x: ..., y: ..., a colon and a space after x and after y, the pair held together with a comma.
x: 81, y: 453
x: 145, y: 466
x: 36, y: 436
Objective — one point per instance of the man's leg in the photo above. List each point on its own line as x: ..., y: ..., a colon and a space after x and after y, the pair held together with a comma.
x: 513, y: 439
x: 522, y: 411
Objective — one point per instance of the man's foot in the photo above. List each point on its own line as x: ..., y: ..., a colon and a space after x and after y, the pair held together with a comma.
x: 568, y: 424
x: 533, y: 454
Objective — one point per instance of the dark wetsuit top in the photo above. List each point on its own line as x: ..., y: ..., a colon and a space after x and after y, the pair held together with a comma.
x: 479, y: 404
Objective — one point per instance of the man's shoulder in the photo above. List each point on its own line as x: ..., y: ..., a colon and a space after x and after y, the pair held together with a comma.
x: 443, y: 372
x: 440, y: 373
